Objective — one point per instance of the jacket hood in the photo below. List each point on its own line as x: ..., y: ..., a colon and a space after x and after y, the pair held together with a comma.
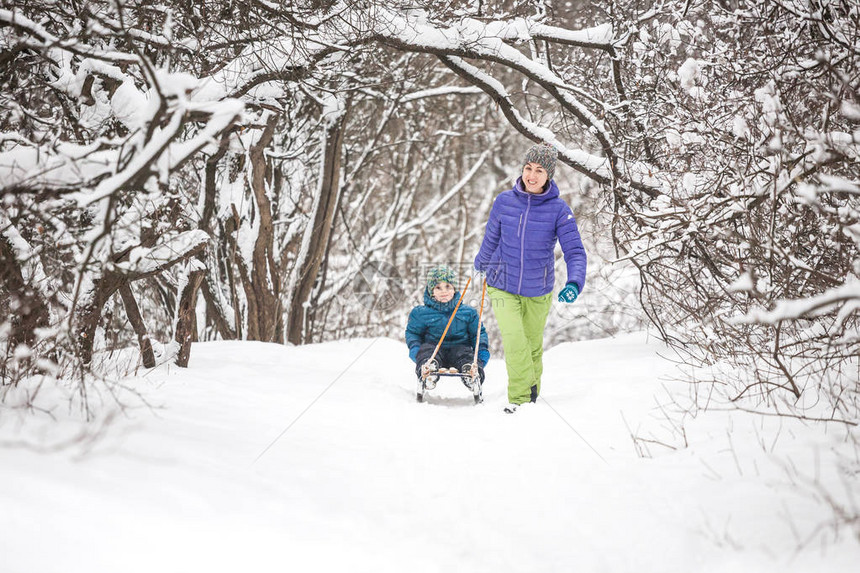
x: 551, y: 191
x: 433, y: 303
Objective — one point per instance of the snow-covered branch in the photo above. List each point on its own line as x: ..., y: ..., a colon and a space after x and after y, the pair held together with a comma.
x: 805, y: 307
x: 142, y: 262
x: 40, y: 39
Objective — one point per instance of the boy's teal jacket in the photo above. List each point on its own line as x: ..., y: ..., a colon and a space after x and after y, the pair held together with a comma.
x: 427, y: 323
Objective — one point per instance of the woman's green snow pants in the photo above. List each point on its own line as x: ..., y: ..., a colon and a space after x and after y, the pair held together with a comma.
x: 521, y: 321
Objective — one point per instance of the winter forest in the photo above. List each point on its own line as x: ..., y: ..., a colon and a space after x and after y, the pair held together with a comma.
x: 285, y: 172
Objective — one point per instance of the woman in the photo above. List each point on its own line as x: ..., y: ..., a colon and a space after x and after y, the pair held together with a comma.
x: 517, y: 256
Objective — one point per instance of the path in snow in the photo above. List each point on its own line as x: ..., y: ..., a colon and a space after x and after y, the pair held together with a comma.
x: 270, y: 458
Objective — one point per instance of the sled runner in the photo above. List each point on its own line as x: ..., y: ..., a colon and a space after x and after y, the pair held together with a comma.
x: 471, y: 379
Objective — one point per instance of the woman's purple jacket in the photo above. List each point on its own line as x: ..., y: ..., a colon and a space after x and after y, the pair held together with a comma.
x: 518, y: 249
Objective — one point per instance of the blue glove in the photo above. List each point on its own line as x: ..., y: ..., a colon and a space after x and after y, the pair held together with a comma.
x: 483, y: 357
x: 569, y: 293
x: 413, y: 353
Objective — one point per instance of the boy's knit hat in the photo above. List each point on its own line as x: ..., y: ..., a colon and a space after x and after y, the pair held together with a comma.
x: 438, y: 275
x: 545, y: 155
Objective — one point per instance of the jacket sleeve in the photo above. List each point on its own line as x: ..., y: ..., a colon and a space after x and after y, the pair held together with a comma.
x: 492, y: 235
x: 485, y: 345
x: 571, y: 245
x: 473, y: 334
x: 416, y: 328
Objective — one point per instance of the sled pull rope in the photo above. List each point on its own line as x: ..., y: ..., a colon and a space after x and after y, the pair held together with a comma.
x: 480, y: 315
x: 450, y: 320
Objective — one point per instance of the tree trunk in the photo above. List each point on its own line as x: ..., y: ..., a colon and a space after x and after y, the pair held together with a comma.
x: 216, y: 311
x: 32, y: 311
x: 317, y: 235
x: 133, y: 312
x: 262, y: 288
x: 90, y: 314
x: 186, y: 317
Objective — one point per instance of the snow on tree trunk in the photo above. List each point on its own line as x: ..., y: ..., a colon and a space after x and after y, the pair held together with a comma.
x: 137, y: 323
x: 23, y: 302
x: 262, y: 284
x: 186, y: 316
x: 319, y: 227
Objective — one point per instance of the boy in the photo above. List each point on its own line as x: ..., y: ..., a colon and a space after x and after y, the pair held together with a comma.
x: 427, y: 323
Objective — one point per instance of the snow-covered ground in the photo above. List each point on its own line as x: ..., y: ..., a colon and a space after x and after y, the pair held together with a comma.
x: 261, y: 457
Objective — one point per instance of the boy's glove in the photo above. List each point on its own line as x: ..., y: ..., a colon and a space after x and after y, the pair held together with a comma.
x: 569, y: 293
x: 483, y: 357
x: 413, y: 353
x: 428, y: 367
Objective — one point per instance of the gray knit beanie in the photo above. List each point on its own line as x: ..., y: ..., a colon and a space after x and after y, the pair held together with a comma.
x: 545, y: 155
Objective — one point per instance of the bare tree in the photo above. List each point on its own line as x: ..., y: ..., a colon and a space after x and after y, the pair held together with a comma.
x: 747, y: 255
x: 181, y: 123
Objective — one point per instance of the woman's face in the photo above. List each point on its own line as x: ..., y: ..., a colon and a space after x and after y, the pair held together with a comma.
x: 443, y: 292
x: 534, y: 177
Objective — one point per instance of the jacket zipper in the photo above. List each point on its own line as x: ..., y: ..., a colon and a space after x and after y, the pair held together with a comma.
x: 523, y: 245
